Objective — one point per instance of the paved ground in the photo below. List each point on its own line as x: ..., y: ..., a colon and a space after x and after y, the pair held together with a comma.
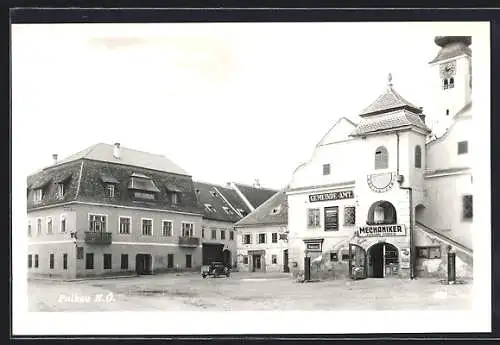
x: 244, y: 291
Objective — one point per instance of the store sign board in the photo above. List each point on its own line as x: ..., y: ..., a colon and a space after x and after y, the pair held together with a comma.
x: 348, y: 194
x: 382, y: 230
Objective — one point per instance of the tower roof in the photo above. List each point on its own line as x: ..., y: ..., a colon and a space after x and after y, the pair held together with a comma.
x: 389, y: 101
x: 452, y: 46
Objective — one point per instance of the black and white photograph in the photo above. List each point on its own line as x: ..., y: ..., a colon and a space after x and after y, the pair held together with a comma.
x: 229, y: 178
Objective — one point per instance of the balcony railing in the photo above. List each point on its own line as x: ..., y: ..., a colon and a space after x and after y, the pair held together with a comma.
x: 189, y: 241
x: 98, y: 237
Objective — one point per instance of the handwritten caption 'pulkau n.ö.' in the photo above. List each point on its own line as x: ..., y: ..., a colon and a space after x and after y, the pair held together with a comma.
x: 77, y: 298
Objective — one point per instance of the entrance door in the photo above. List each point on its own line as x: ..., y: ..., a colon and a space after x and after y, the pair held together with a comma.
x: 257, y: 264
x: 357, y: 262
x: 143, y: 264
x: 286, y: 269
x: 188, y: 260
x: 383, y: 260
x: 227, y: 258
x: 376, y: 260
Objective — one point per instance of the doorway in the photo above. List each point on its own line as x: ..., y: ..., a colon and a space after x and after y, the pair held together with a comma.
x: 382, y: 260
x: 143, y: 264
x: 188, y: 260
x: 286, y: 269
x: 227, y: 258
x: 257, y: 263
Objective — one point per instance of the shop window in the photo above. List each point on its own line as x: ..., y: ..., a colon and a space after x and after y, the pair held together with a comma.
x: 334, y: 257
x: 418, y: 156
x: 381, y: 158
x: 349, y: 215
x: 124, y: 262
x: 89, y: 261
x: 332, y: 218
x: 428, y: 252
x: 79, y: 253
x: 274, y: 259
x: 313, y: 218
x: 245, y: 260
x: 65, y: 261
x: 467, y: 207
x: 107, y: 261
x: 345, y: 257
x: 326, y: 169
x: 274, y: 237
x: 463, y: 147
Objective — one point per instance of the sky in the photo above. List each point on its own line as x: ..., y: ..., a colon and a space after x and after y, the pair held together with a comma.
x: 226, y: 102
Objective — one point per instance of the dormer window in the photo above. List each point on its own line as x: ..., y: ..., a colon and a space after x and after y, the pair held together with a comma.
x: 38, y: 195
x: 214, y: 194
x: 381, y: 158
x: 242, y: 211
x: 210, y: 208
x: 173, y: 192
x: 276, y: 210
x: 174, y: 198
x: 60, y: 190
x: 227, y: 209
x: 110, y: 190
x: 143, y: 186
x: 451, y: 83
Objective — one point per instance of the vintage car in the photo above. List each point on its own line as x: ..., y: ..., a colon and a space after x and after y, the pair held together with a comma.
x: 216, y: 269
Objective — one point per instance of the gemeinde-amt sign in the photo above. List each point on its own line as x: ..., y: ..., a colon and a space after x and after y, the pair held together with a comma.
x: 348, y: 194
x: 382, y: 230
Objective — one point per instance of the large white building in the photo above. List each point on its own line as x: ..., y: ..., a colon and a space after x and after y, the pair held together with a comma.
x: 387, y: 194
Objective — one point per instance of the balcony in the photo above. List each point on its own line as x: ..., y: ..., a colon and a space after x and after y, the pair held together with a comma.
x: 98, y: 237
x: 189, y: 241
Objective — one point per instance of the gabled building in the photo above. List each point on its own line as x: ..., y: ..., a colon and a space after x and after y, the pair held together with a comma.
x: 112, y: 210
x: 262, y: 237
x: 384, y: 196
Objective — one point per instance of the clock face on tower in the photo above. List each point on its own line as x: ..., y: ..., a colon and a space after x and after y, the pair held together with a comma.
x: 447, y: 70
x: 380, y: 183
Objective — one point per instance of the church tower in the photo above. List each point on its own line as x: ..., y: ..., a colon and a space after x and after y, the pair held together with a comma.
x: 452, y: 76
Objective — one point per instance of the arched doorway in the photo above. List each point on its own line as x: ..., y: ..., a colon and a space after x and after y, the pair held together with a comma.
x: 226, y: 254
x: 420, y: 213
x: 382, y: 260
x: 381, y: 212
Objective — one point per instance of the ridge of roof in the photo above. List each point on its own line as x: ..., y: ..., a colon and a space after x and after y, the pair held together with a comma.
x: 455, y: 119
x: 265, y: 206
x: 320, y: 143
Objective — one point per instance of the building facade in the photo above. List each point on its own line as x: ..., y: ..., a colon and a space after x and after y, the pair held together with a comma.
x: 262, y: 237
x: 405, y: 201
x: 112, y: 210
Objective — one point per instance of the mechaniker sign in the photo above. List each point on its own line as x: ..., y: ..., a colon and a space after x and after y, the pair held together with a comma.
x: 348, y: 194
x: 382, y: 230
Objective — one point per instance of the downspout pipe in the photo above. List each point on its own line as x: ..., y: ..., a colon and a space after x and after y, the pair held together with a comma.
x: 410, y: 197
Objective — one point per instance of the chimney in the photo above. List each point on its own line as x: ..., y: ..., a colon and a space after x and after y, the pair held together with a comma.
x: 422, y: 116
x: 116, y: 151
x: 54, y: 158
x: 257, y: 183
